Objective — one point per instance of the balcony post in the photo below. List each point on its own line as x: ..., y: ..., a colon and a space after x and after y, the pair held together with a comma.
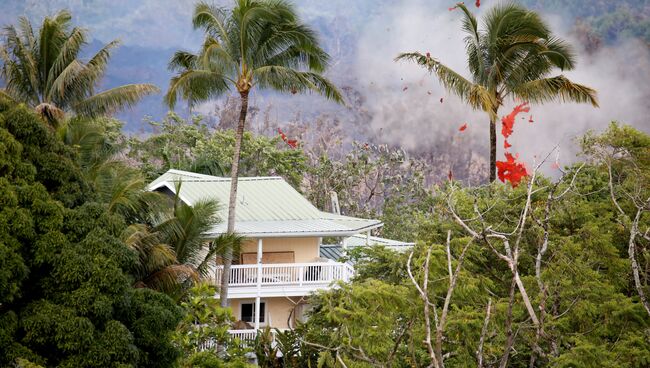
x: 259, y: 283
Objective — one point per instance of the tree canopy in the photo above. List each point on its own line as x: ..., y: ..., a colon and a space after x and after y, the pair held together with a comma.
x: 66, y: 296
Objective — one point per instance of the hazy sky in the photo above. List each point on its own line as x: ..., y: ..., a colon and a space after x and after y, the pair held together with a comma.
x: 160, y: 23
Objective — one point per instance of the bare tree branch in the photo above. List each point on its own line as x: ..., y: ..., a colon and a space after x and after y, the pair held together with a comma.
x: 479, y: 351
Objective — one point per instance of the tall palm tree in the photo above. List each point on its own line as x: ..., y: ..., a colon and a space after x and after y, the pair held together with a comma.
x: 45, y: 71
x: 257, y: 43
x: 514, y: 57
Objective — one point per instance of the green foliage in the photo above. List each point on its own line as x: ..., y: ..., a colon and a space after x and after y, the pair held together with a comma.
x: 42, y: 68
x: 204, y: 322
x: 197, y: 148
x: 66, y: 295
x: 591, y: 313
x: 203, y: 335
x: 363, y: 322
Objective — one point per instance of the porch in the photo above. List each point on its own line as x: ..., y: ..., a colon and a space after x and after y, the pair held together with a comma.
x: 283, y: 279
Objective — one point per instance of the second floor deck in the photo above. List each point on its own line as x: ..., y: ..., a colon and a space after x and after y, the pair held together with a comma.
x: 283, y: 279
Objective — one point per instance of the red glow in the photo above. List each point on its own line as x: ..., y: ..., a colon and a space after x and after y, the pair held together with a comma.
x: 511, y: 170
x: 293, y: 143
x: 508, y: 121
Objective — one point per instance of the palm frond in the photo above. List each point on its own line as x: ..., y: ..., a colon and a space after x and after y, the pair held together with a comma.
x: 194, y: 86
x: 67, y: 79
x: 252, y: 19
x: 114, y: 99
x: 170, y: 278
x: 290, y: 80
x: 20, y: 69
x: 6, y: 97
x: 215, y: 58
x: 152, y: 254
x: 218, y: 247
x: 475, y: 53
x: 451, y: 80
x: 96, y: 66
x: 53, y: 34
x: 27, y: 31
x: 88, y: 138
x: 555, y: 88
x: 182, y: 60
x: 559, y: 53
x: 212, y: 19
x: 290, y: 45
x: 508, y: 19
x: 66, y: 56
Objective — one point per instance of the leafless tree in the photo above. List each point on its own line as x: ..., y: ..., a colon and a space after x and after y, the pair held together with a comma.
x: 435, y: 347
x: 640, y: 204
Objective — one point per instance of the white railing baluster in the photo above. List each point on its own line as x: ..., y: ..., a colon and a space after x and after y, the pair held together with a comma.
x: 298, y: 274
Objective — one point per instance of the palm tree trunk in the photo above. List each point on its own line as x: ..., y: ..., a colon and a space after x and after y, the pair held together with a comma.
x: 234, y: 174
x: 493, y: 150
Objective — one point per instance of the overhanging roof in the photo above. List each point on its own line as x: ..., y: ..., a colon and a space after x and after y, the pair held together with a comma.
x: 359, y: 240
x: 266, y: 206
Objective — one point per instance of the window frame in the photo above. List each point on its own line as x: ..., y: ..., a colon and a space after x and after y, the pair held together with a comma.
x: 252, y: 303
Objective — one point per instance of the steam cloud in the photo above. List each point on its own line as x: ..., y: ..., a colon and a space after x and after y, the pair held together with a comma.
x: 413, y: 118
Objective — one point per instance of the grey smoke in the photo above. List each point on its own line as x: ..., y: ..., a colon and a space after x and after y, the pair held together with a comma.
x: 414, y: 119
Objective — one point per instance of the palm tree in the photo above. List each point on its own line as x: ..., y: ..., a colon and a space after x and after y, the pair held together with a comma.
x: 258, y: 43
x: 512, y: 57
x: 172, y: 251
x: 167, y: 235
x: 45, y: 71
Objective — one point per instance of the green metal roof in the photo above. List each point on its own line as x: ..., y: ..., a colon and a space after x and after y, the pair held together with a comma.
x: 336, y: 251
x: 266, y: 206
x: 332, y: 252
x: 360, y: 240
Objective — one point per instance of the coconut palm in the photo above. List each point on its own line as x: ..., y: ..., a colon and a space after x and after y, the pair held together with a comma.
x: 44, y: 71
x: 173, y: 252
x: 256, y: 44
x: 512, y: 57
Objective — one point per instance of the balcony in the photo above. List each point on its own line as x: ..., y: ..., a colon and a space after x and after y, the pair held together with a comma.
x: 243, y: 338
x: 283, y: 279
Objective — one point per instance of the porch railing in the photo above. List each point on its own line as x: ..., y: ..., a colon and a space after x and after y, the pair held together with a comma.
x: 297, y: 274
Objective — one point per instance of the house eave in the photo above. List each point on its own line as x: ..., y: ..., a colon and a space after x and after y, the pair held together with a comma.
x: 301, y: 234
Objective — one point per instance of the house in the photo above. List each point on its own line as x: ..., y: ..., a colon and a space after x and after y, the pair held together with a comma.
x: 283, y: 259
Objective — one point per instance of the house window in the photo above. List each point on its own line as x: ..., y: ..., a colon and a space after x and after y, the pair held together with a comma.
x: 248, y: 312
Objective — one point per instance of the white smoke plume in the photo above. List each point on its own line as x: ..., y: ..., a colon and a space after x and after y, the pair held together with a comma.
x: 404, y: 100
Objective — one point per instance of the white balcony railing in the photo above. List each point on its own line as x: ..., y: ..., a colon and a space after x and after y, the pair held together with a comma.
x: 295, y: 274
x: 243, y: 335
